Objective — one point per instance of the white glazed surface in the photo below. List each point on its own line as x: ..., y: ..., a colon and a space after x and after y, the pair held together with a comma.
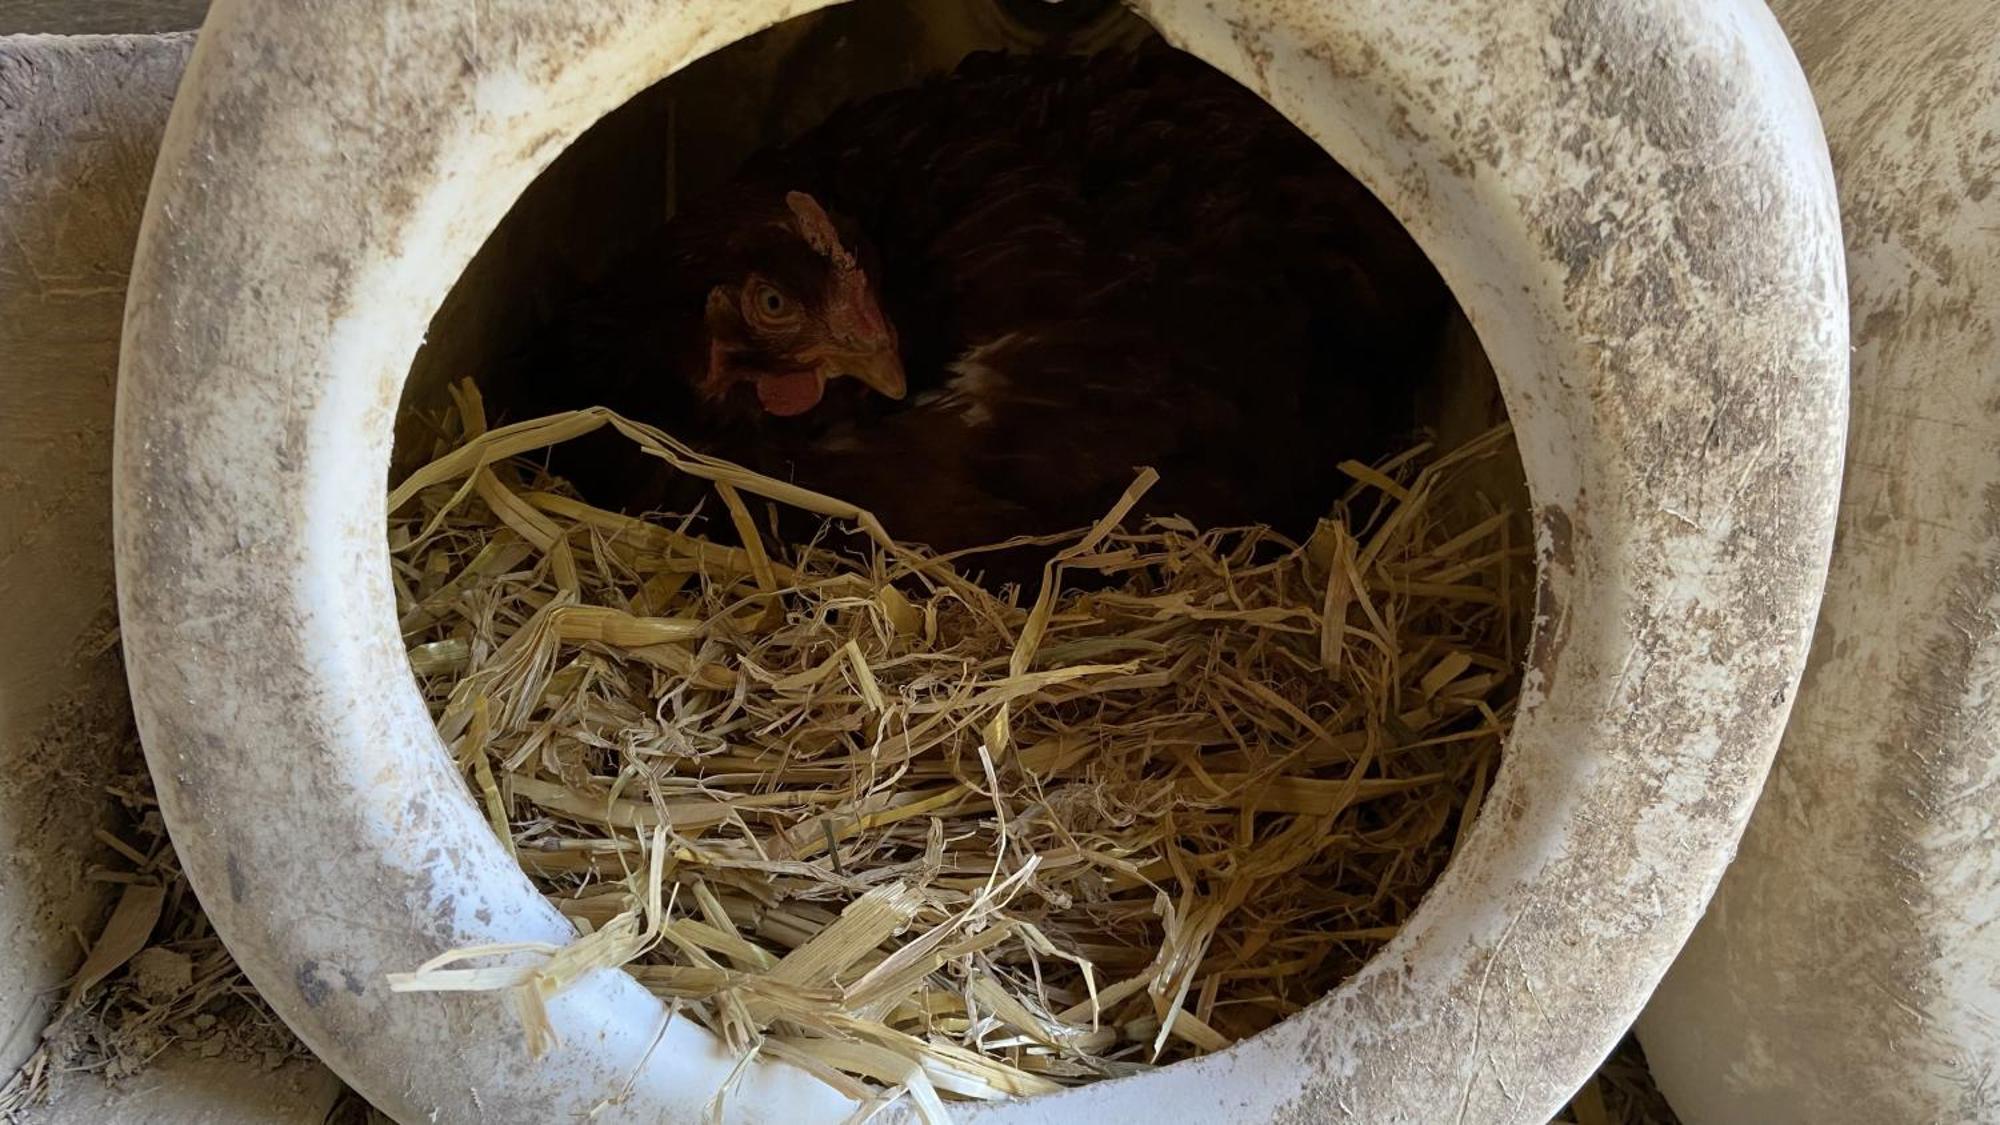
x: 1631, y: 199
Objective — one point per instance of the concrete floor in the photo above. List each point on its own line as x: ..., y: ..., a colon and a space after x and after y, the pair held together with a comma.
x: 181, y: 1088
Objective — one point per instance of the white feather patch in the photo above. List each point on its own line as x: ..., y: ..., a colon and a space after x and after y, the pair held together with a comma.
x: 975, y: 381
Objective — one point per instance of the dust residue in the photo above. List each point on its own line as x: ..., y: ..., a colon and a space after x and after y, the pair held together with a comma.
x: 98, y: 831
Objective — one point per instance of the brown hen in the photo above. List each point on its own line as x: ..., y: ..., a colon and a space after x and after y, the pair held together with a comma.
x: 976, y: 305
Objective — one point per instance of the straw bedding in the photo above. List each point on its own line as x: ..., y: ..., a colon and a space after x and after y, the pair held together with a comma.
x: 850, y: 809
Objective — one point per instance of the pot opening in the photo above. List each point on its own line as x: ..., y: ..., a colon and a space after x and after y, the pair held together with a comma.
x: 1170, y: 763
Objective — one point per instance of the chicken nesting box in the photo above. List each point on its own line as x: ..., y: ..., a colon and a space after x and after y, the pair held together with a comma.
x: 1632, y: 205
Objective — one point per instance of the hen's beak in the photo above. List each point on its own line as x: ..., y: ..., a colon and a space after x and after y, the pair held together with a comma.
x: 880, y: 369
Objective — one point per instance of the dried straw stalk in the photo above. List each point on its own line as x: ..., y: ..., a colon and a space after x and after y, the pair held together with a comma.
x: 869, y: 817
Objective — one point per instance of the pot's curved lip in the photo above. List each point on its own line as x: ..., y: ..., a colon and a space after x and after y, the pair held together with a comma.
x: 1632, y: 201
x: 1858, y: 913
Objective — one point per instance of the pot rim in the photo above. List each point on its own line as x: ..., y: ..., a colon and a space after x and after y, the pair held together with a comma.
x: 1632, y: 202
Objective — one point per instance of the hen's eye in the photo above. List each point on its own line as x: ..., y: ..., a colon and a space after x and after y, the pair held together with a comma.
x: 767, y: 308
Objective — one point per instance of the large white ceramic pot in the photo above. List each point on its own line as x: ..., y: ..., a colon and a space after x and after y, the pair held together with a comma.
x: 1850, y: 969
x: 1631, y: 199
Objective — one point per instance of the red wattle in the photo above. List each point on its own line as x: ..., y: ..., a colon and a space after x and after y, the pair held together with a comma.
x: 791, y: 393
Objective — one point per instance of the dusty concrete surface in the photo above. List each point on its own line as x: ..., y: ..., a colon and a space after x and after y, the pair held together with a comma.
x: 99, y: 17
x: 181, y: 1088
x: 79, y: 124
x: 1848, y: 970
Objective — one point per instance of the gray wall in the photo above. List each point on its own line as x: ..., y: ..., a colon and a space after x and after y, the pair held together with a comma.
x: 99, y: 17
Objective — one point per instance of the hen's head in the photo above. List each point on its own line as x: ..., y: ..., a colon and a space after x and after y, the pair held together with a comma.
x: 793, y: 310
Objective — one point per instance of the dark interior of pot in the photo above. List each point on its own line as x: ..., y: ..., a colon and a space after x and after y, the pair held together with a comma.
x: 1001, y: 273
x: 688, y: 138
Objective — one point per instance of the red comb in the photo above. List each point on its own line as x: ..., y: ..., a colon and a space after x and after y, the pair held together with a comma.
x: 816, y: 226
